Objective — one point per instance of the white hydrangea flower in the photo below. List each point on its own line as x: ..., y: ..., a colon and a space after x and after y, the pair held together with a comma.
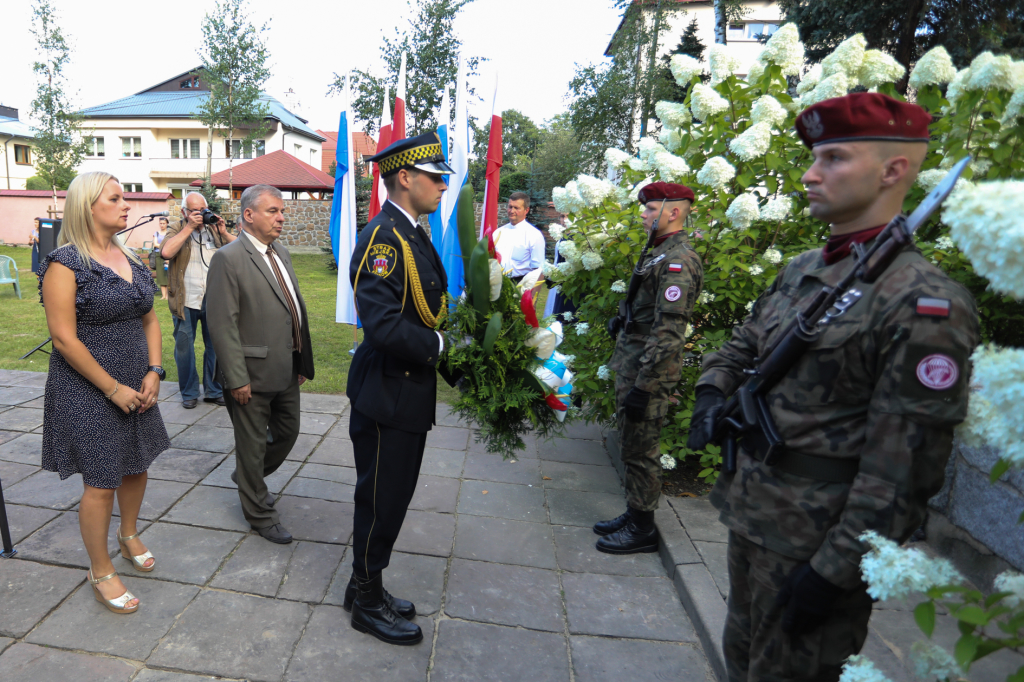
x: 767, y: 109
x: 582, y: 328
x: 668, y: 462
x: 568, y: 360
x: 567, y: 316
x: 672, y: 114
x: 568, y: 268
x: 705, y: 102
x: 935, y: 67
x: 810, y: 80
x: 859, y: 668
x: 893, y: 573
x: 743, y: 211
x: 717, y: 172
x: 634, y: 194
x: 877, y: 68
x: 592, y: 260
x: 932, y: 662
x: 755, y: 70
x: 722, y: 62
x: 944, y: 243
x: 1014, y: 107
x: 785, y: 49
x: 671, y: 138
x: 985, y: 224
x: 753, y: 142
x: 567, y: 199
x: 1009, y: 581
x: 593, y: 190
x: 846, y: 58
x: 688, y: 332
x: 670, y: 167
x: 981, y: 167
x: 756, y: 269
x: 618, y: 286
x: 706, y: 297
x: 648, y: 148
x: 639, y: 164
x: 603, y: 373
x: 929, y: 179
x: 749, y: 306
x: 548, y: 268
x: 957, y: 86
x: 556, y: 231
x: 569, y: 251
x: 835, y: 85
x: 684, y: 68
x: 996, y: 419
x: 777, y: 209
x: 772, y: 256
x: 989, y: 71
x: 615, y: 158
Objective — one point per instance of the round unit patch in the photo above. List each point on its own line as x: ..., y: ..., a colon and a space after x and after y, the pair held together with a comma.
x: 937, y: 372
x: 381, y: 259
x: 673, y: 293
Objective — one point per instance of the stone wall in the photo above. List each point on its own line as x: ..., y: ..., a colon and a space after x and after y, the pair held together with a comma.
x: 974, y: 521
x: 305, y: 225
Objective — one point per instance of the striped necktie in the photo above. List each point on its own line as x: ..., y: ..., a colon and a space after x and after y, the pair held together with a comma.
x: 296, y: 329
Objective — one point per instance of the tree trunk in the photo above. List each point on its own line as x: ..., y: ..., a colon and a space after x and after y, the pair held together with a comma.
x: 721, y: 22
x: 906, y: 43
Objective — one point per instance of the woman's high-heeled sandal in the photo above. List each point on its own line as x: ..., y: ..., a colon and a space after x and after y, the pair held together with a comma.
x: 118, y: 605
x: 138, y: 561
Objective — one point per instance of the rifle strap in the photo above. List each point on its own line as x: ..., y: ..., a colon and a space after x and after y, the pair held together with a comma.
x: 826, y: 469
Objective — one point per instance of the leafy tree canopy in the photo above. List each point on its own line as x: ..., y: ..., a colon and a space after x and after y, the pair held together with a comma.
x: 557, y: 159
x: 519, y: 139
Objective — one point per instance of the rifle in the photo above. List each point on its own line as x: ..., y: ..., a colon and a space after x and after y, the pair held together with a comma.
x: 625, y: 316
x: 746, y: 412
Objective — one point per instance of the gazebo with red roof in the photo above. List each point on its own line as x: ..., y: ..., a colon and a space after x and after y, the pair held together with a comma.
x: 278, y: 169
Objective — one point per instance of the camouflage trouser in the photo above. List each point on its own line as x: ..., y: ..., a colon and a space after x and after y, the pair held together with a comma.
x: 639, y: 442
x: 756, y: 649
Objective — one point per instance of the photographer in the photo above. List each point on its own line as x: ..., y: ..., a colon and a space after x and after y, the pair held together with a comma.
x: 189, y: 246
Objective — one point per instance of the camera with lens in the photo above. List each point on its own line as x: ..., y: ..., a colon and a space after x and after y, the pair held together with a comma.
x: 209, y: 217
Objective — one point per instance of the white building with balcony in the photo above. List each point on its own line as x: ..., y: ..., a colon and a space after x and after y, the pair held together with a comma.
x: 151, y: 142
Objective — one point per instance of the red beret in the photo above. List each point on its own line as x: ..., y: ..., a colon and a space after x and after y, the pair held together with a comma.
x: 668, y: 191
x: 860, y: 117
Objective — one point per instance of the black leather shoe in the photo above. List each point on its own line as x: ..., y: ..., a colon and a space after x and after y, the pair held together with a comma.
x: 219, y: 400
x: 609, y: 527
x: 275, y: 533
x: 189, y: 404
x: 268, y: 500
x: 405, y: 609
x: 639, y: 535
x: 372, y: 614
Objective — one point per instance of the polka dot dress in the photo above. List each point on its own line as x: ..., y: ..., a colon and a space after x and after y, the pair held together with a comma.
x: 83, y: 432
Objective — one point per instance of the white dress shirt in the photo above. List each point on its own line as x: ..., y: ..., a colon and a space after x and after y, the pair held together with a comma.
x: 414, y: 222
x: 521, y: 248
x: 262, y: 248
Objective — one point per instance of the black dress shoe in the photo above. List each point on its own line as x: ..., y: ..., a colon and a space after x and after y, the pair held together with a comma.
x: 405, y: 609
x: 275, y: 533
x: 268, y: 500
x: 639, y: 535
x: 372, y: 614
x: 190, y: 403
x: 609, y: 527
x: 218, y: 400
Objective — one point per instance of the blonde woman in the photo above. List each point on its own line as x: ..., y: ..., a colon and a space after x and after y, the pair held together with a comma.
x: 100, y: 416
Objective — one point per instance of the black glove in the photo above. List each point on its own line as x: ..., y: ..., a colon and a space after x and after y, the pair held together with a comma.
x: 615, y: 326
x: 635, y: 404
x: 808, y: 599
x: 702, y: 424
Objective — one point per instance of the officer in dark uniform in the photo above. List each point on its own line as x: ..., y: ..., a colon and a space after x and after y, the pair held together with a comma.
x: 399, y: 283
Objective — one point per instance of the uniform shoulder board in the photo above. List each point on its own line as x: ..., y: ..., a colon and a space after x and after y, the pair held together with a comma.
x: 933, y: 307
x: 675, y: 267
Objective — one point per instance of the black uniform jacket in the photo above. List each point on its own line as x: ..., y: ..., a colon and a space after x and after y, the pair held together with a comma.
x: 393, y: 377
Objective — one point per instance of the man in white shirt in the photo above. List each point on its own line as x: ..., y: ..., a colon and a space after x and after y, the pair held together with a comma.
x: 520, y: 244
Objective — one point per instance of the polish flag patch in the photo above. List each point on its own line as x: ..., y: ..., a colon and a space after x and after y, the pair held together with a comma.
x: 933, y: 307
x: 675, y: 267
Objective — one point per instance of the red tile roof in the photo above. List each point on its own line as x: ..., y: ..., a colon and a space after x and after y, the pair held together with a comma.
x: 279, y: 169
x: 62, y: 194
x: 362, y: 144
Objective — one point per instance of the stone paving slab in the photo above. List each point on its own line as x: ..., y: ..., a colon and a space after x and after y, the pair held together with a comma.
x: 219, y: 418
x: 210, y: 507
x: 448, y: 438
x: 528, y: 451
x: 426, y: 533
x: 221, y: 476
x: 622, y: 606
x: 4, y: 643
x: 29, y: 591
x: 435, y: 494
x: 185, y: 466
x: 256, y: 567
x: 576, y: 553
x: 160, y: 496
x: 580, y: 508
x: 34, y: 379
x: 46, y: 489
x: 11, y: 377
x: 205, y: 439
x: 82, y: 623
x: 24, y: 521
x: 168, y: 676
x: 415, y: 577
x: 505, y: 595
x: 318, y: 402
x: 326, y: 472
x: 495, y: 468
x: 60, y: 542
x: 17, y: 395
x: 700, y: 519
x: 574, y: 451
x: 315, y: 520
x: 715, y: 557
x: 187, y: 554
x: 312, y: 567
x: 505, y: 541
x: 26, y: 448
x: 12, y: 472
x: 38, y: 403
x: 598, y: 479
x: 233, y: 635
x: 304, y: 445
x: 316, y: 423
x: 172, y: 411
x: 441, y: 462
x: 502, y: 500
x: 319, y: 488
x: 42, y: 664
x: 174, y: 429
x: 334, y: 451
x: 8, y: 435
x: 168, y: 389
x: 476, y: 652
x: 599, y: 659
x: 331, y: 650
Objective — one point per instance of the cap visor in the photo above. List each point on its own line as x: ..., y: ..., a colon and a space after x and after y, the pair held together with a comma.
x: 437, y: 167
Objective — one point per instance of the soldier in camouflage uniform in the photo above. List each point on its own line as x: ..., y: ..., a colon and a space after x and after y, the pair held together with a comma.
x: 867, y: 413
x: 647, y: 362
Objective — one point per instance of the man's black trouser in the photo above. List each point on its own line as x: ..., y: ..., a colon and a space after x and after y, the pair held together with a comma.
x: 387, y: 468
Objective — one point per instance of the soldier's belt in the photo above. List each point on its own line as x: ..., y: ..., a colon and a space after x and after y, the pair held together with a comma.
x: 826, y: 469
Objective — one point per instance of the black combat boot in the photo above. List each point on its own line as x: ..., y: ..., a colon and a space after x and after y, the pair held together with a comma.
x: 403, y: 608
x: 638, y: 535
x: 372, y: 614
x: 608, y: 527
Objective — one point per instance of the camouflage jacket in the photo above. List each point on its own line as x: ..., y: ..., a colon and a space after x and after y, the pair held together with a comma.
x: 672, y: 280
x: 885, y: 384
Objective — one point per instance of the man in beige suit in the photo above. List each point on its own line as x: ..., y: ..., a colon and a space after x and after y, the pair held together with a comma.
x: 260, y: 333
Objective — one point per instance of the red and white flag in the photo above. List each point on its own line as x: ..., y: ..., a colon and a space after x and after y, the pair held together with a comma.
x: 489, y: 222
x: 398, y: 126
x: 379, y: 193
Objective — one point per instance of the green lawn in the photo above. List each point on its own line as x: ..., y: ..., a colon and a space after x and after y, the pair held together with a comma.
x: 23, y: 325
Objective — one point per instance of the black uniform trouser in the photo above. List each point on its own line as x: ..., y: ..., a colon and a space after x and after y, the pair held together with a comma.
x: 387, y: 468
